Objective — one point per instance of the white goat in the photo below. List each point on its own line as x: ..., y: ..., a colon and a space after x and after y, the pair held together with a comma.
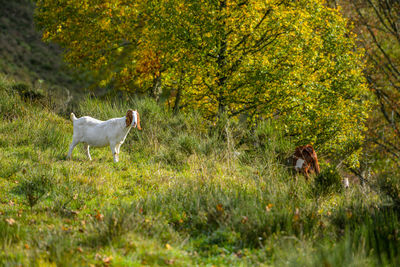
x: 96, y: 133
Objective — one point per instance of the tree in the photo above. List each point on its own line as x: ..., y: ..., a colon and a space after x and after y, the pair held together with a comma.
x: 107, y: 37
x: 380, y: 32
x: 377, y: 24
x: 293, y: 61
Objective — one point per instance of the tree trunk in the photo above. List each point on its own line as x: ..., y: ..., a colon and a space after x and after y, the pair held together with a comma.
x: 177, y: 100
x: 156, y: 89
x: 221, y: 63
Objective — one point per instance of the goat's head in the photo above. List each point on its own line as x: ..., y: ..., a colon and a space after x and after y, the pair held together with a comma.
x: 138, y: 120
x: 133, y: 119
x: 129, y: 117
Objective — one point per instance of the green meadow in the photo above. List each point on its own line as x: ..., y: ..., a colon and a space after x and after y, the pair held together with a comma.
x: 185, y: 192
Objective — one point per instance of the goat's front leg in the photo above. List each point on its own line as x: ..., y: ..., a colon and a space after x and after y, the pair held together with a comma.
x: 71, y: 147
x: 117, y: 147
x: 87, y: 152
x: 114, y: 152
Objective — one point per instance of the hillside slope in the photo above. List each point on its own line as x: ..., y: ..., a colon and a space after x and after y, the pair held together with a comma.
x: 184, y: 193
x: 23, y: 55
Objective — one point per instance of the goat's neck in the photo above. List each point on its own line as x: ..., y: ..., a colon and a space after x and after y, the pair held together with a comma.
x: 124, y: 128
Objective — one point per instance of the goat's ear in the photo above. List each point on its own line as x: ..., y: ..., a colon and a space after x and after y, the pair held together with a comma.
x: 129, y: 118
x: 138, y: 120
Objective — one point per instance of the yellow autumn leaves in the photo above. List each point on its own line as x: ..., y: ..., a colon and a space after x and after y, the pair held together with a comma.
x: 292, y: 61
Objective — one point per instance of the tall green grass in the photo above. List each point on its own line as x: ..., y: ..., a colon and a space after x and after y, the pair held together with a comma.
x: 186, y: 192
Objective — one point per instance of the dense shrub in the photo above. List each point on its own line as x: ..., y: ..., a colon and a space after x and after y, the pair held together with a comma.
x: 11, y: 106
x: 34, y: 186
x: 28, y: 93
x: 328, y: 181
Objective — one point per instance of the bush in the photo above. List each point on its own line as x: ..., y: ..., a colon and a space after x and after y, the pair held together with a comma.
x: 34, y: 186
x: 27, y: 93
x: 70, y: 196
x: 11, y: 106
x: 389, y: 184
x: 188, y: 144
x: 328, y: 181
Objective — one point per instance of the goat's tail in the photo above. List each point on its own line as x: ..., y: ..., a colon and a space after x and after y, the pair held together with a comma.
x: 72, y: 117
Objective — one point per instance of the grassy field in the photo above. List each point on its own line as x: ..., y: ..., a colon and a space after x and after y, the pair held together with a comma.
x: 185, y: 192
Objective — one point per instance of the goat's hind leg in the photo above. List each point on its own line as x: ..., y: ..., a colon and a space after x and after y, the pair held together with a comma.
x: 71, y: 147
x: 87, y: 152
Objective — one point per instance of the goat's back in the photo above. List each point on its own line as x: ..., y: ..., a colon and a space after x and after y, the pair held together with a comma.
x: 86, y: 121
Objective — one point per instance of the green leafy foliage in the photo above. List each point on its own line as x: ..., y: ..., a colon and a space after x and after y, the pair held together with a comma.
x: 295, y: 62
